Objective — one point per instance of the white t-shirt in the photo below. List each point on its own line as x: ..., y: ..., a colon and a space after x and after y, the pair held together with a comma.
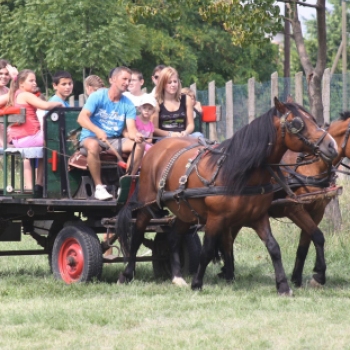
x: 136, y: 100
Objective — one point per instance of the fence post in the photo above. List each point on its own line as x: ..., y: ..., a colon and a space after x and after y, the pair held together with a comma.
x: 299, y: 88
x: 211, y: 99
x: 274, y: 87
x: 193, y: 87
x: 81, y: 100
x: 251, y: 99
x: 229, y: 110
x: 326, y: 95
x: 71, y: 101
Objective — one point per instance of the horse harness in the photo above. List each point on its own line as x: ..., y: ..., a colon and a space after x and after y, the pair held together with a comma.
x: 295, y: 127
x: 182, y: 193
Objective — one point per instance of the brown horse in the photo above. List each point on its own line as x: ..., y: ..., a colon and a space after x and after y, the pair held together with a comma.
x: 224, y: 186
x: 307, y: 217
x: 305, y: 179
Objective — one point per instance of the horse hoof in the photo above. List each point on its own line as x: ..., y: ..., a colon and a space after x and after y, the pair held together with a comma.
x: 286, y: 294
x: 122, y: 279
x: 196, y: 286
x: 179, y: 281
x: 315, y: 284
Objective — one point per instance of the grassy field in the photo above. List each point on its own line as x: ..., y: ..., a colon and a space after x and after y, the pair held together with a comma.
x: 38, y: 312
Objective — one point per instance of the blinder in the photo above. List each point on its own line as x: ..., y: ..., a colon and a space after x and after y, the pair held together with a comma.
x: 294, y: 126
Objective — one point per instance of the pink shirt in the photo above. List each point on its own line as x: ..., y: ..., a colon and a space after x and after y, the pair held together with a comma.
x: 146, y: 129
x: 31, y: 125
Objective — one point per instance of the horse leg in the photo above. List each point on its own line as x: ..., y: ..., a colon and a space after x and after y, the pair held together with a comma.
x: 263, y: 229
x: 143, y: 218
x: 227, y: 241
x: 174, y: 238
x: 207, y: 254
x: 310, y: 232
x: 303, y: 248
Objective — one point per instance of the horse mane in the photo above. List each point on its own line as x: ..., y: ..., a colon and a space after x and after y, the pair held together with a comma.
x: 344, y: 115
x: 248, y: 149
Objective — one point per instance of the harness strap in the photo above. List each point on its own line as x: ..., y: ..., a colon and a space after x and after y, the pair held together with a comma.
x: 281, y: 180
x: 201, y: 192
x: 165, y: 175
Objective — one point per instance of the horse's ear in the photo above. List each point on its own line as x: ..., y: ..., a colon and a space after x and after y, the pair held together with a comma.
x: 290, y: 99
x: 280, y: 106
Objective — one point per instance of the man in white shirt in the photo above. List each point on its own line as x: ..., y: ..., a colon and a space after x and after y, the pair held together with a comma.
x: 135, y: 92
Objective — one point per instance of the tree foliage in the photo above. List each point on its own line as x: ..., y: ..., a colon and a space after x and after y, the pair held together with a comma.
x: 48, y: 35
x: 203, y: 39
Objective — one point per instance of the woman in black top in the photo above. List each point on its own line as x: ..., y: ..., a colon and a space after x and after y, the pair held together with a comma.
x: 174, y: 118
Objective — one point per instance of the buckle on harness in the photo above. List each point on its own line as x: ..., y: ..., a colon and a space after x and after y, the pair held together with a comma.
x: 183, y: 179
x: 161, y: 183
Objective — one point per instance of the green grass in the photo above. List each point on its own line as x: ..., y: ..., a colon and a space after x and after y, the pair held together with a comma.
x: 38, y: 312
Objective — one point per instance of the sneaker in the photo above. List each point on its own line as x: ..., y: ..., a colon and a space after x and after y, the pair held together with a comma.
x: 38, y: 191
x: 101, y: 193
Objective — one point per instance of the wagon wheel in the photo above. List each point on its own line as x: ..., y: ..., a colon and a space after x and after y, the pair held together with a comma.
x: 55, y: 228
x: 190, y: 248
x: 76, y: 255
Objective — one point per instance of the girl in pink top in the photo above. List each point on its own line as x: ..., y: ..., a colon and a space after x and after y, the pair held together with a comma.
x: 28, y: 134
x: 143, y: 121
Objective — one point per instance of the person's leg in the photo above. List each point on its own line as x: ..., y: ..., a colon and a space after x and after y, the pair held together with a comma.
x: 93, y: 159
x: 127, y: 147
x: 40, y: 172
x: 27, y: 175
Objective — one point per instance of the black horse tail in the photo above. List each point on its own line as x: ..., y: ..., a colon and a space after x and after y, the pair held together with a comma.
x: 123, y: 226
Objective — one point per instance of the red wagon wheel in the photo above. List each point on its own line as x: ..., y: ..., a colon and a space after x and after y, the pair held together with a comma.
x: 77, y: 255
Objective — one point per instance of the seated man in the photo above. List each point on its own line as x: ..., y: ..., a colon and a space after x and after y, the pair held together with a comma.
x: 103, y: 118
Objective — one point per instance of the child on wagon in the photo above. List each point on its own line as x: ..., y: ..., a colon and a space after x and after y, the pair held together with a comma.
x: 28, y: 134
x: 63, y: 85
x: 143, y: 121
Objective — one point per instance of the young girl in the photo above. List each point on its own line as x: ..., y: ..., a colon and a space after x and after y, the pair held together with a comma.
x: 28, y: 134
x: 7, y: 72
x: 92, y: 83
x: 143, y: 121
x: 175, y: 115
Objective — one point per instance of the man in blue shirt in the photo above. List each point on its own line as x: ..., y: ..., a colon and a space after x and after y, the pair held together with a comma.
x: 103, y: 118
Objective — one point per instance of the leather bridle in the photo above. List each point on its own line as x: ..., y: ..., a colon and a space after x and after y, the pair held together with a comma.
x: 295, y: 126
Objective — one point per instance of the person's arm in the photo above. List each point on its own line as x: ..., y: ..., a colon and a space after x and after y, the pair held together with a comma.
x: 190, y: 121
x: 36, y: 102
x: 133, y: 134
x: 84, y: 119
x: 4, y: 100
x: 198, y: 107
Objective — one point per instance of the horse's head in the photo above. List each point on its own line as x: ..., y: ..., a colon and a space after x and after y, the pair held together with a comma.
x: 340, y: 130
x: 301, y: 133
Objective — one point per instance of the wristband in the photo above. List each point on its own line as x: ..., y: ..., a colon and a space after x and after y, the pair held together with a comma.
x: 170, y: 133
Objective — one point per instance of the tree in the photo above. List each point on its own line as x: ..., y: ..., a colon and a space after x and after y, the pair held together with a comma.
x: 313, y: 71
x: 202, y: 51
x: 50, y: 35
